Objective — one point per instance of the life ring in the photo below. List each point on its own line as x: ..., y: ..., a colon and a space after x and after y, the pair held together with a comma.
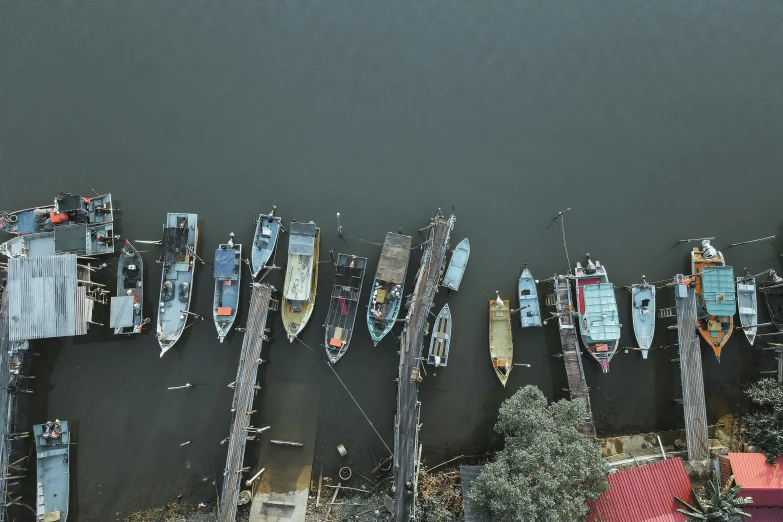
x: 345, y: 473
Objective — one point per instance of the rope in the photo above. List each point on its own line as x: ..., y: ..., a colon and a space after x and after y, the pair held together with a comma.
x: 350, y: 394
x: 363, y: 240
x: 562, y: 226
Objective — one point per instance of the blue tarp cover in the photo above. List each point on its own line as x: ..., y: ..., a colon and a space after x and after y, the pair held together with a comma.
x: 224, y: 263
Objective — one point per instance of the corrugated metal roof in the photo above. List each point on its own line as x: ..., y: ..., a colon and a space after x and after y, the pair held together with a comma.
x: 644, y: 494
x: 468, y: 474
x: 44, y: 299
x: 717, y: 284
x: 301, y: 239
x: 394, y: 258
x: 601, y: 312
x: 765, y: 514
x: 761, y: 481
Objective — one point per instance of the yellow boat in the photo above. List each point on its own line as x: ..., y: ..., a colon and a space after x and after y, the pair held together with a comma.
x: 301, y: 277
x: 501, y: 347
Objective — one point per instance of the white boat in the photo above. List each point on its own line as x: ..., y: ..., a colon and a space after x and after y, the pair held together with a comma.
x: 748, y: 305
x: 457, y: 265
x: 440, y: 340
x: 643, y: 314
x: 301, y: 277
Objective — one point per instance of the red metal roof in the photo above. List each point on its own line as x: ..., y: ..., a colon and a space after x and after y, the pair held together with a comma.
x: 644, y: 494
x: 761, y: 481
x: 765, y: 514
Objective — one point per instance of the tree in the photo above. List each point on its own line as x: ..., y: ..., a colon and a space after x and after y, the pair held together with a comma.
x: 765, y: 426
x: 546, y: 470
x: 718, y: 505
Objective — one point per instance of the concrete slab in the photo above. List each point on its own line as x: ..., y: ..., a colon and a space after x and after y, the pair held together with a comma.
x: 281, y: 495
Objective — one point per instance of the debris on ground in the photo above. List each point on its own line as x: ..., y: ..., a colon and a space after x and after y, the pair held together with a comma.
x: 185, y: 512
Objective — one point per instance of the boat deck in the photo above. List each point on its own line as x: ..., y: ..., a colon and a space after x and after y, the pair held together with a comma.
x: 406, y: 428
x: 53, y: 471
x: 244, y: 393
x: 501, y: 346
x: 691, y: 373
x: 569, y: 343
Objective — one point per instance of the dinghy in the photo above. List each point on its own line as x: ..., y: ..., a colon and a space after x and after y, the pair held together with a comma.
x: 228, y: 274
x: 440, y: 339
x: 643, y: 313
x: 386, y: 293
x: 529, y: 307
x: 348, y: 277
x: 264, y: 241
x: 748, y: 305
x: 126, y: 307
x: 501, y: 347
x: 457, y: 264
x: 301, y: 277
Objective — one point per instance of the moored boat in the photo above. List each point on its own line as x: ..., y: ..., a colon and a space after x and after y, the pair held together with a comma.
x: 599, y: 324
x: 773, y: 294
x: 717, y: 302
x: 80, y: 240
x: 343, y: 305
x: 747, y: 304
x: 264, y: 241
x: 387, y: 288
x: 228, y: 273
x: 178, y: 257
x: 501, y: 346
x: 301, y: 277
x: 67, y: 209
x: 643, y: 314
x: 529, y: 307
x: 457, y: 265
x: 53, y: 474
x: 127, y: 306
x: 440, y: 340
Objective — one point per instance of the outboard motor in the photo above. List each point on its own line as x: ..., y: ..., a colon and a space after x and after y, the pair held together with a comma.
x: 708, y: 250
x: 776, y: 279
x: 184, y: 292
x: 590, y: 268
x: 168, y: 291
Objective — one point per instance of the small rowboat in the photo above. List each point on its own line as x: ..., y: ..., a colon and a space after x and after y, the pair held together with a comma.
x: 456, y: 269
x: 228, y: 273
x: 501, y: 347
x: 643, y: 313
x: 441, y: 339
x: 264, y: 241
x: 529, y: 307
x: 748, y: 305
x: 344, y: 303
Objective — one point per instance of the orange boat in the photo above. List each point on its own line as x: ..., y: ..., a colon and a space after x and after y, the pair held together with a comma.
x: 717, y: 296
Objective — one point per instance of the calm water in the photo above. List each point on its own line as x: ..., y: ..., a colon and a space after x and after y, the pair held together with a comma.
x: 654, y: 122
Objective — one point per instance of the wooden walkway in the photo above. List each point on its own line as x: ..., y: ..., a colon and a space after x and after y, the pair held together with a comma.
x: 569, y: 343
x: 691, y: 373
x: 406, y: 425
x: 244, y: 393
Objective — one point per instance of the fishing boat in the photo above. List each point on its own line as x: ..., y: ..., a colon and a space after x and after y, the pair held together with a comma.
x: 348, y: 277
x: 748, y: 306
x: 178, y: 257
x: 599, y: 325
x: 67, y: 209
x: 301, y: 277
x: 53, y: 474
x: 228, y: 273
x: 457, y: 265
x: 529, y: 307
x: 80, y: 240
x: 126, y: 307
x: 717, y: 301
x: 264, y: 241
x: 643, y: 313
x: 386, y: 295
x: 773, y: 293
x: 440, y: 339
x: 501, y: 347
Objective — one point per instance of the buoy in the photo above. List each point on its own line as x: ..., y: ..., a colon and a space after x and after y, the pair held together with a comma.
x: 345, y: 473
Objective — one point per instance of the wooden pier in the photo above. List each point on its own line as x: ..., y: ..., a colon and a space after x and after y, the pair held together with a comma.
x: 569, y: 343
x: 244, y: 392
x: 406, y: 425
x: 691, y: 372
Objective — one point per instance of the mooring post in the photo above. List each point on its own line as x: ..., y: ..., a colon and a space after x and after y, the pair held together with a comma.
x: 339, y: 227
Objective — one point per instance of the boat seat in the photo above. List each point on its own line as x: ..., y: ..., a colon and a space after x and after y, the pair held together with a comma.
x: 747, y: 310
x: 602, y: 348
x: 223, y: 311
x: 337, y: 343
x: 525, y: 292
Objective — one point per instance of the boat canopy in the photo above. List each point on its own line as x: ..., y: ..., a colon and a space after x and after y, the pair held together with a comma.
x: 175, y: 244
x: 302, y: 239
x: 224, y: 263
x: 70, y: 238
x: 717, y: 283
x: 600, y: 315
x: 121, y: 311
x: 394, y: 258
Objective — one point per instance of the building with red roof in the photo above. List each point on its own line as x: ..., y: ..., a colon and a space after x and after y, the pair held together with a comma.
x: 644, y: 494
x: 757, y: 479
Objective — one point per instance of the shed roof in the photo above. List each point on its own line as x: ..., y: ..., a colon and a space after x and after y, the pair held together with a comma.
x: 394, y: 258
x: 644, y: 494
x: 718, y: 290
x: 759, y: 480
x: 301, y: 239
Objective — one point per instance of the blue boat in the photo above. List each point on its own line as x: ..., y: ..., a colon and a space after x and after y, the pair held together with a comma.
x: 599, y: 322
x: 643, y: 314
x: 386, y: 294
x: 67, y: 209
x: 228, y: 273
x: 717, y: 296
x: 457, y: 264
x: 53, y: 452
x: 264, y: 241
x: 529, y: 307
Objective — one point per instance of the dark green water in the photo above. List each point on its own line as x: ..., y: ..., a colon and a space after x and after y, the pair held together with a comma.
x: 655, y: 122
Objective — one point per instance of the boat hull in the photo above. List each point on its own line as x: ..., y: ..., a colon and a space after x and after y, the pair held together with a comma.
x: 602, y: 350
x: 643, y: 314
x: 264, y: 247
x: 343, y: 305
x: 748, y: 307
x: 294, y: 321
x: 501, y: 347
x: 714, y: 329
x: 130, y: 284
x: 529, y: 307
x: 53, y: 471
x: 457, y: 264
x: 80, y: 240
x: 225, y: 300
x: 179, y: 270
x: 387, y: 289
x: 95, y: 210
x: 440, y: 341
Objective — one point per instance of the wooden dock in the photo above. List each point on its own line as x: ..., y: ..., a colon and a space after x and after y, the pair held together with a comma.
x: 406, y: 425
x: 569, y: 343
x: 244, y: 393
x: 691, y: 372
